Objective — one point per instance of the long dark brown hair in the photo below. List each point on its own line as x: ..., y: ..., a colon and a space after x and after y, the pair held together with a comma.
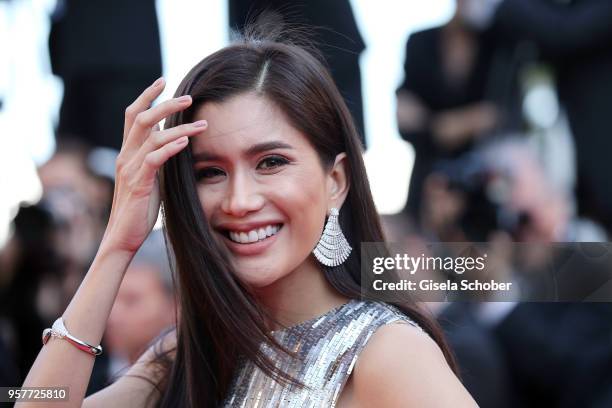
x: 220, y: 320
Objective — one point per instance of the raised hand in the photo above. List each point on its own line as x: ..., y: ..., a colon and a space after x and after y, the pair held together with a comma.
x: 144, y: 150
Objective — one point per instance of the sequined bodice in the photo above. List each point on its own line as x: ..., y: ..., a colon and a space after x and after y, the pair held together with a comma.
x: 327, y: 348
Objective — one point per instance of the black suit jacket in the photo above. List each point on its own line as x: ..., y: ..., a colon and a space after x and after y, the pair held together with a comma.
x: 104, y: 35
x: 107, y: 53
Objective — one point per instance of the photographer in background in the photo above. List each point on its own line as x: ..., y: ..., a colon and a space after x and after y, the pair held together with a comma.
x: 500, y: 187
x: 558, y: 354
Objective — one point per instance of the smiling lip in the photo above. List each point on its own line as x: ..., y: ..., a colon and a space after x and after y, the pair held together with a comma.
x: 248, y: 249
x: 254, y: 248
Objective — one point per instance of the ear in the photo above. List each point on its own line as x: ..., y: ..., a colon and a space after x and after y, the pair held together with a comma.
x: 338, y: 182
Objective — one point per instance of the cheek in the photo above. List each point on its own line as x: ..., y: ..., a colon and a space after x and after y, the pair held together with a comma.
x: 210, y: 199
x: 303, y: 200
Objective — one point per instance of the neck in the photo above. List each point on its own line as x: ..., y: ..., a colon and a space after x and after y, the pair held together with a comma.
x: 303, y: 294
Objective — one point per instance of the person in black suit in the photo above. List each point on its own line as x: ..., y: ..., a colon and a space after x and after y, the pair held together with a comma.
x: 335, y: 33
x: 458, y: 89
x: 575, y: 36
x: 106, y: 52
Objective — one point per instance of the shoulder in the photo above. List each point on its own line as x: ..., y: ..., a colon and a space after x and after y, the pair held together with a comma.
x: 137, y: 388
x: 402, y: 366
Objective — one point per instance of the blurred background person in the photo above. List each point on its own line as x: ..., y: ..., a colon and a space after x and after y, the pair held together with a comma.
x: 332, y: 27
x: 533, y: 208
x: 78, y: 194
x: 105, y: 52
x: 568, y: 343
x: 501, y: 187
x: 145, y: 304
x: 455, y: 92
x: 557, y: 354
x: 575, y: 38
x: 29, y: 263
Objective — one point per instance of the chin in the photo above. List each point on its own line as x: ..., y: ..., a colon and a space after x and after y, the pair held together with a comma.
x: 258, y: 276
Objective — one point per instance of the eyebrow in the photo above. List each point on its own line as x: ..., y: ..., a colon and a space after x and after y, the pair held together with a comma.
x: 251, y: 151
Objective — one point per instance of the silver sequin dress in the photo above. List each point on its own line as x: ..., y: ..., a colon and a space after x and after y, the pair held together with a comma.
x: 327, y: 347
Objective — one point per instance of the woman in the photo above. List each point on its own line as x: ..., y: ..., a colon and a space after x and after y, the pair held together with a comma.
x: 273, y: 153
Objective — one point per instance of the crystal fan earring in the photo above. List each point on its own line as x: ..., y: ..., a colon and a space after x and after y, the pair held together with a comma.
x: 333, y: 248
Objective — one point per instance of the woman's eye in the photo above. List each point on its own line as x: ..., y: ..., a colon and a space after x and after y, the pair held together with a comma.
x: 209, y: 173
x: 272, y: 162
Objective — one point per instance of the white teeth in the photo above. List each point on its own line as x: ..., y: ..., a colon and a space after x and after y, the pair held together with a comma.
x: 253, y: 235
x: 261, y: 233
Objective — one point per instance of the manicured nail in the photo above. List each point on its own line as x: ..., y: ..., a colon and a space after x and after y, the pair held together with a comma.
x: 181, y: 141
x: 158, y: 82
x: 184, y: 99
x: 200, y: 123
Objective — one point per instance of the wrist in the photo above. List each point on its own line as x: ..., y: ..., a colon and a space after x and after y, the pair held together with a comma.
x: 109, y: 251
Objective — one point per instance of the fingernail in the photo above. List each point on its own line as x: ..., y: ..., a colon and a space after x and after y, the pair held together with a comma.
x: 158, y: 82
x: 181, y: 141
x: 200, y: 123
x: 184, y: 99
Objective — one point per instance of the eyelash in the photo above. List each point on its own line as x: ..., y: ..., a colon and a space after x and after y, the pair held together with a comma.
x: 205, y: 173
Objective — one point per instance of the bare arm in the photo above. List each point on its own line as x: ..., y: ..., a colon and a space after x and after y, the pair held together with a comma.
x: 61, y: 364
x: 134, y: 212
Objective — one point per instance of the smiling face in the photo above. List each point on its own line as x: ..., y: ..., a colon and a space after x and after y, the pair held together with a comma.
x: 262, y: 187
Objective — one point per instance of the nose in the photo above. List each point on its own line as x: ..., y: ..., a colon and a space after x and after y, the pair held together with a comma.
x: 242, y: 197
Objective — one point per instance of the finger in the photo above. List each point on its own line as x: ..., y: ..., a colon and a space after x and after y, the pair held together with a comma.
x: 155, y: 159
x: 160, y: 138
x: 145, y: 120
x: 142, y: 103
